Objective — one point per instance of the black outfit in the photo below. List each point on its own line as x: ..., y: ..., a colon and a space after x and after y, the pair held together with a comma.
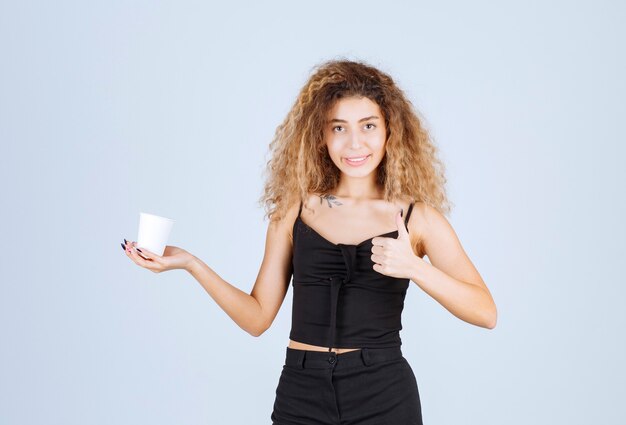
x: 339, y: 300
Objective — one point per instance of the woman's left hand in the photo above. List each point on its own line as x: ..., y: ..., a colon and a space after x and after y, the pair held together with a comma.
x: 395, y: 257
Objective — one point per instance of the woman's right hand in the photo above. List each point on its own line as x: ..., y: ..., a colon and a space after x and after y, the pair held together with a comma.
x: 173, y: 258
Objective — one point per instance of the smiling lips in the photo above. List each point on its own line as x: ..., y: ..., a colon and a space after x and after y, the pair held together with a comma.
x: 357, y: 160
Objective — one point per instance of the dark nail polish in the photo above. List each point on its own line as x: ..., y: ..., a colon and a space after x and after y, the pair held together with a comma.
x: 401, y: 212
x: 123, y: 247
x: 138, y: 250
x: 125, y: 242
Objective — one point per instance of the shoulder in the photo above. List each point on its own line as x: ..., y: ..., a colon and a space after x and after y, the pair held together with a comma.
x: 431, y: 216
x: 285, y: 224
x: 433, y: 225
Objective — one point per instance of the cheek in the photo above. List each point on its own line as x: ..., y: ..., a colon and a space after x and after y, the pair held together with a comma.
x: 334, y: 147
x: 380, y: 147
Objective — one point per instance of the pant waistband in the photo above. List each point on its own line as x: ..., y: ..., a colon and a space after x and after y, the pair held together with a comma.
x: 306, y: 359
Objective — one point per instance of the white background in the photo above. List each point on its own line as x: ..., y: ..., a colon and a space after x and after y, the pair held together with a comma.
x: 109, y: 108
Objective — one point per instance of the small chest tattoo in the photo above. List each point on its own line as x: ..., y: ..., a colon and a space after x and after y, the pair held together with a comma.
x: 330, y: 199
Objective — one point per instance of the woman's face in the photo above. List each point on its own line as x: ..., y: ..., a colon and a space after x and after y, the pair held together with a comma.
x: 355, y: 135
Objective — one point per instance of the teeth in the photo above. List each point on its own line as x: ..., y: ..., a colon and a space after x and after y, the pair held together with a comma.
x: 356, y: 159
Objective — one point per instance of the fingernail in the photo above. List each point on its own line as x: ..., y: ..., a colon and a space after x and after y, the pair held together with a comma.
x: 401, y: 212
x: 123, y: 247
x: 125, y: 242
x: 138, y: 250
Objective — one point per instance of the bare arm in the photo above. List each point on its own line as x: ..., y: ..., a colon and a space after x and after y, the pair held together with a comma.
x: 256, y: 311
x: 451, y: 278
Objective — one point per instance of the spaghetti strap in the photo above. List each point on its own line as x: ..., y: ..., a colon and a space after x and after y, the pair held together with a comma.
x: 408, y: 214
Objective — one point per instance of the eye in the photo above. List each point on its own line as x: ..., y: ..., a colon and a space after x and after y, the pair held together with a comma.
x: 336, y: 127
x: 373, y: 125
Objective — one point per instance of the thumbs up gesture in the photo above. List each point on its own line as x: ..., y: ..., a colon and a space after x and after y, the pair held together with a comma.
x: 395, y: 257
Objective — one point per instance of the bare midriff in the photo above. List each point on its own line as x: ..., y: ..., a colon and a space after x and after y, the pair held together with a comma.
x: 302, y: 346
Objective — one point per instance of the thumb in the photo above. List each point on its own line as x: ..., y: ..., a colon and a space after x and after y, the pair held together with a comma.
x: 402, y: 232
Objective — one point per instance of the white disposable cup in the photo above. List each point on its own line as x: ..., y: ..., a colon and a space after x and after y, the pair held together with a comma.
x: 154, y: 231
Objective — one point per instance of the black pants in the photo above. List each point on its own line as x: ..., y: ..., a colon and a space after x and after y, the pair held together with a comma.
x: 370, y: 386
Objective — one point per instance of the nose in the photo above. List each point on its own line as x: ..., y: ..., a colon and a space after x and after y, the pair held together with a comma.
x: 355, y: 141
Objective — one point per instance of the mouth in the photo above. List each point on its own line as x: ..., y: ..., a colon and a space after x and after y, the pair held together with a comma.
x: 356, y: 161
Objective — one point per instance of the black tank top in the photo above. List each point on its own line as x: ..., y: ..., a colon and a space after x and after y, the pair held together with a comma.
x: 339, y: 300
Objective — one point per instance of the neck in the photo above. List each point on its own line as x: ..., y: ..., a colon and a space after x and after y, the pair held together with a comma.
x: 359, y: 188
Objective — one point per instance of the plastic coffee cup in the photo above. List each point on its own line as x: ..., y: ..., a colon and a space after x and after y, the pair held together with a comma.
x: 154, y: 231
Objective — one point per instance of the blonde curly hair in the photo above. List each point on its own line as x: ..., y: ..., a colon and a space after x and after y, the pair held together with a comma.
x: 299, y: 162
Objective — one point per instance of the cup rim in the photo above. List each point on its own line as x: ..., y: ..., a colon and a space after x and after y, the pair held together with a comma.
x: 157, y: 216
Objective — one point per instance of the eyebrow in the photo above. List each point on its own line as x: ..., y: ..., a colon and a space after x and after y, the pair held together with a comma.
x: 373, y: 117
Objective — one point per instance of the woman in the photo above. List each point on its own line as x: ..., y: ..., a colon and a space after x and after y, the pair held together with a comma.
x: 349, y: 159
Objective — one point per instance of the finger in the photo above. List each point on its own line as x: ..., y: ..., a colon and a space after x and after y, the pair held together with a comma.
x: 132, y: 245
x: 379, y: 241
x: 378, y: 268
x: 143, y: 256
x: 377, y: 259
x: 136, y: 256
x: 150, y: 264
x: 402, y: 232
x: 146, y: 253
x: 129, y: 254
x: 127, y: 246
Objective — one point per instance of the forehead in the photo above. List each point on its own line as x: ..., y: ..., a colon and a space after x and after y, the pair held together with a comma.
x: 353, y: 108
